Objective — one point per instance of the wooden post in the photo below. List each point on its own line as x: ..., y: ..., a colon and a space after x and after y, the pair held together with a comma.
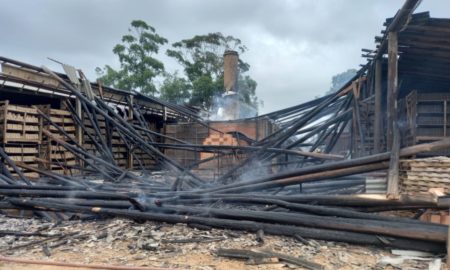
x: 448, y: 246
x: 378, y: 124
x: 445, y: 117
x: 130, y: 160
x: 391, y: 85
x: 393, y: 136
x: 79, y: 130
x: 164, y: 113
x: 357, y: 115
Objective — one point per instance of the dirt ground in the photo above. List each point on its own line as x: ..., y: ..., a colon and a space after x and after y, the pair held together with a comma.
x: 122, y: 242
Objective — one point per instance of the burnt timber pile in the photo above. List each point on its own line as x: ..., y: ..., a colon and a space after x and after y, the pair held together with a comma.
x: 70, y: 146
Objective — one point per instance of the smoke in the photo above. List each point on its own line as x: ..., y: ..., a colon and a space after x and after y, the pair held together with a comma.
x: 230, y: 107
x: 258, y: 170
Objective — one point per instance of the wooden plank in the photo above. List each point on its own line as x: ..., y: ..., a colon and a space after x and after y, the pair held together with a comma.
x: 378, y: 113
x: 60, y: 113
x: 68, y: 129
x: 30, y: 75
x: 448, y: 247
x: 22, y: 109
x: 393, y: 135
x: 21, y: 150
x: 392, y: 81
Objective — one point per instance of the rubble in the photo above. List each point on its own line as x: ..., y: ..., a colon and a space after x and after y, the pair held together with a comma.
x: 120, y: 246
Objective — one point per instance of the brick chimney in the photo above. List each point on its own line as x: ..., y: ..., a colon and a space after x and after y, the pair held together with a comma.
x: 230, y: 70
x: 231, y: 110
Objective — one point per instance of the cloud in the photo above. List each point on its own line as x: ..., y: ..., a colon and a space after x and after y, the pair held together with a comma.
x: 295, y: 46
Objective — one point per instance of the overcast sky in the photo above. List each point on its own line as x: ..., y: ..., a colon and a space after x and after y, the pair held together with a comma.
x: 295, y: 46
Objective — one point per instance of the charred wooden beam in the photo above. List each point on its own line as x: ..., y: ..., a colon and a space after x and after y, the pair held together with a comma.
x: 287, y: 230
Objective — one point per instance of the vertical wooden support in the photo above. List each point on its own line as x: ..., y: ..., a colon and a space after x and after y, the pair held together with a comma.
x: 5, y: 120
x: 357, y: 116
x: 448, y: 246
x: 130, y: 160
x: 393, y: 136
x: 445, y: 117
x: 165, y: 113
x: 392, y: 82
x: 79, y: 130
x: 378, y: 112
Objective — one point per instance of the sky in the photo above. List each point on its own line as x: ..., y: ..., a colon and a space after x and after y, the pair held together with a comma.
x: 294, y: 46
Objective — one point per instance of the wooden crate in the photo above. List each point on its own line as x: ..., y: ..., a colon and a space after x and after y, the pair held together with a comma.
x: 53, y: 156
x: 18, y: 124
x: 119, y: 150
x: 87, y: 143
x: 118, y: 146
x: 23, y: 152
x: 147, y: 161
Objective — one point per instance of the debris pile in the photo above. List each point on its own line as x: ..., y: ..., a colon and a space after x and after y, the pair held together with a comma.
x: 152, y: 244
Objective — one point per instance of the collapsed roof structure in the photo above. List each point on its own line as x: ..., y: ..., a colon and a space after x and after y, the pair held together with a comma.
x: 98, y: 149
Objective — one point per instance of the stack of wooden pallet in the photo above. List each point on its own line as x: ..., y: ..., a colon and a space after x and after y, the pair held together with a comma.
x: 420, y: 175
x: 146, y: 161
x: 19, y: 134
x: 87, y: 142
x: 53, y: 156
x: 119, y: 150
x: 19, y: 123
x: 140, y: 158
x: 112, y: 139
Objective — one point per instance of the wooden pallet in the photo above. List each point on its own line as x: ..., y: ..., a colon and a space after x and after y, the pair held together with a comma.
x: 23, y: 152
x: 420, y: 175
x: 119, y: 150
x: 118, y: 146
x: 54, y: 156
x: 147, y: 161
x: 18, y: 124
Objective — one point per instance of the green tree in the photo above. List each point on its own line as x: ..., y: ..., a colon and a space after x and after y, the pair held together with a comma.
x: 175, y: 89
x: 203, y: 54
x: 138, y: 67
x: 202, y: 60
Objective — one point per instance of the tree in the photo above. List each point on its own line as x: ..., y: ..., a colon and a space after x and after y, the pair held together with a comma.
x: 338, y: 80
x: 204, y: 89
x: 202, y: 60
x: 175, y: 89
x: 138, y: 67
x: 203, y: 54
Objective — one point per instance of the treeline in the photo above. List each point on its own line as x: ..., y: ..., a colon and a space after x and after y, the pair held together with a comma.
x: 200, y: 59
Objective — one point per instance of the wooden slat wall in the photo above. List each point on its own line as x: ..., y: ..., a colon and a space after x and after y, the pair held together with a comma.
x: 22, y: 138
